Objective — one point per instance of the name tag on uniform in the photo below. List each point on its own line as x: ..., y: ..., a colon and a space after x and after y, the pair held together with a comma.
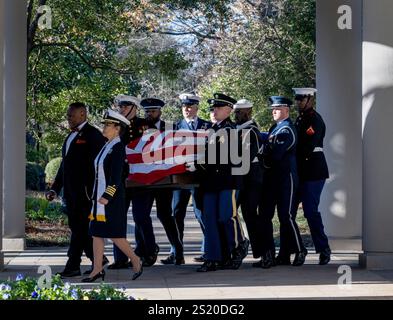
x: 80, y: 141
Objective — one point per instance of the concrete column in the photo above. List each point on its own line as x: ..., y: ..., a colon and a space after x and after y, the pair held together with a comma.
x: 377, y: 134
x: 14, y: 149
x: 1, y: 130
x: 339, y: 76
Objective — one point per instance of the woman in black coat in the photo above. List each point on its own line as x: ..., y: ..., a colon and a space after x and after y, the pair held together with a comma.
x: 108, y: 218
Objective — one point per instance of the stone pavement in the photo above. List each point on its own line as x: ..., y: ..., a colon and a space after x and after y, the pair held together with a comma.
x: 163, y: 282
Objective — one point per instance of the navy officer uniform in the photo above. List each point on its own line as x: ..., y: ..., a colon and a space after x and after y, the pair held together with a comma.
x: 224, y: 235
x: 279, y: 186
x: 162, y: 196
x: 252, y: 181
x: 146, y: 246
x: 181, y: 197
x: 312, y: 168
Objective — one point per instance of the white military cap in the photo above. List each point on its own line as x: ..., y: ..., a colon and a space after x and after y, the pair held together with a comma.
x: 189, y: 98
x: 115, y: 117
x: 124, y: 100
x: 304, y: 91
x: 243, y: 104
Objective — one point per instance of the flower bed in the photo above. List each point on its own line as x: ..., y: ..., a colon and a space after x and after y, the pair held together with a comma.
x: 28, y: 289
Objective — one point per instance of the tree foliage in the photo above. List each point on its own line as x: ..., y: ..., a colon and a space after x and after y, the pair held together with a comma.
x: 99, y: 48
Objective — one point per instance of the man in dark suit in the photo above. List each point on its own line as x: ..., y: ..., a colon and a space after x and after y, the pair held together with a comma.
x: 76, y: 178
x: 191, y: 121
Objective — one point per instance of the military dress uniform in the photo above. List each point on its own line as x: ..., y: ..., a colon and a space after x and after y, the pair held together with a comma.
x: 146, y: 246
x: 313, y: 171
x: 181, y: 197
x: 279, y: 186
x: 224, y: 241
x: 163, y: 196
x: 252, y: 182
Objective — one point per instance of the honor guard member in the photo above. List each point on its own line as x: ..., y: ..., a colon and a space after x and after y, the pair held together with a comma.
x: 312, y: 167
x: 252, y: 182
x: 224, y: 242
x: 189, y: 104
x: 279, y: 187
x: 146, y: 245
x: 163, y: 196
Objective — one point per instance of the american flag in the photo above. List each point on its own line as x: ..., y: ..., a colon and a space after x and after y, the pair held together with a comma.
x: 157, y: 154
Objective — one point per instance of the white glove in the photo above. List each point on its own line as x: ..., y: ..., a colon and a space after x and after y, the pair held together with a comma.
x: 190, y: 166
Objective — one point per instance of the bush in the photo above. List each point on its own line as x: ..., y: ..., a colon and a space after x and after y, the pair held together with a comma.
x: 40, y: 209
x: 51, y: 170
x: 35, y: 177
x: 27, y: 289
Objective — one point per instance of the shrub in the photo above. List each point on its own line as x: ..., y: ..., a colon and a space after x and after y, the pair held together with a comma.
x: 27, y: 289
x: 51, y: 170
x: 39, y: 209
x: 35, y: 176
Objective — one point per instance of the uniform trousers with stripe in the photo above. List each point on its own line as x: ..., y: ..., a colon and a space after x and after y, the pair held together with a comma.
x: 278, y: 191
x: 222, y: 226
x: 309, y: 193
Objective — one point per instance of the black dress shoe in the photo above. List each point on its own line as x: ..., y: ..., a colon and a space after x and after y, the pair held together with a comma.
x: 137, y: 274
x: 199, y: 259
x: 150, y: 260
x: 95, y: 277
x: 268, y: 260
x: 300, y: 258
x: 119, y: 265
x: 69, y: 273
x: 207, y: 266
x: 169, y: 259
x: 179, y: 261
x: 324, y: 256
x: 105, y: 261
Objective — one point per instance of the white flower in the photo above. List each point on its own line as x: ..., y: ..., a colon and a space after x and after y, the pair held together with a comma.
x: 6, y: 296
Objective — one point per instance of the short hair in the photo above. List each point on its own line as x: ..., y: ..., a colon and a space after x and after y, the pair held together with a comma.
x: 78, y: 105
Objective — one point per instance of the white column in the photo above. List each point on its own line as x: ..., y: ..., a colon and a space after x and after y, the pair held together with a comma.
x: 1, y: 130
x: 339, y: 76
x: 377, y: 126
x: 14, y: 121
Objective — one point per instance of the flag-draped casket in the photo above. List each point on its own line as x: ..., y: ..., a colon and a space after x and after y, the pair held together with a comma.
x: 157, y: 157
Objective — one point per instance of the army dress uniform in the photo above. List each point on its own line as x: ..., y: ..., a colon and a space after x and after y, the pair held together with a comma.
x: 224, y: 235
x: 279, y: 186
x: 313, y: 171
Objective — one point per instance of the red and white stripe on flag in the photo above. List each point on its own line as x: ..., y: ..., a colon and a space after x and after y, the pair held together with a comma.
x: 157, y: 154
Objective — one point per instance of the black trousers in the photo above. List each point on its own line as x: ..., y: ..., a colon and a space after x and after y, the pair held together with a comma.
x: 163, y: 199
x: 249, y: 198
x: 80, y: 241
